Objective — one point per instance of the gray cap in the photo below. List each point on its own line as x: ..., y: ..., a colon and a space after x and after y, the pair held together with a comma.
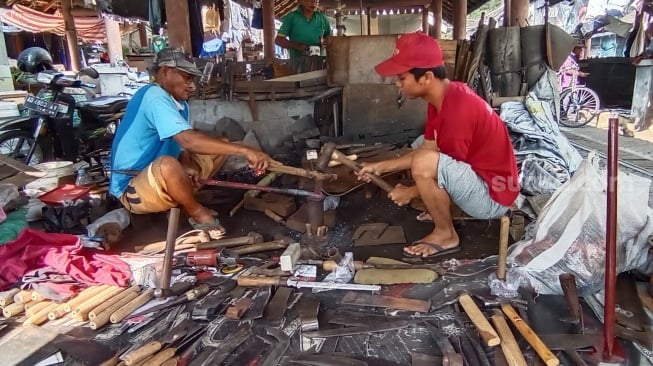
x: 177, y: 59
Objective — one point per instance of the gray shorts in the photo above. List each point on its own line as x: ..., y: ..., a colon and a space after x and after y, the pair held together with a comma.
x: 467, y: 190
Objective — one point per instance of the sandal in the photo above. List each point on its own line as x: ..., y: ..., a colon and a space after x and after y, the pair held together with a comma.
x: 214, y: 229
x: 440, y: 250
x: 424, y: 216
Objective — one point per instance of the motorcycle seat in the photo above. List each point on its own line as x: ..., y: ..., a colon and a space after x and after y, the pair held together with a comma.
x: 104, y: 105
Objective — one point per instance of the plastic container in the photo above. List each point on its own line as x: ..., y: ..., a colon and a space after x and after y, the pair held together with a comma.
x: 55, y: 170
x: 83, y: 178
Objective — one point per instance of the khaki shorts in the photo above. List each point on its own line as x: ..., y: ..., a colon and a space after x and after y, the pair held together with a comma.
x: 147, y: 192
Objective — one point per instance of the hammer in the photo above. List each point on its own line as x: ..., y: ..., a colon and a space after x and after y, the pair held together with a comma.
x: 329, y: 152
x: 251, y: 238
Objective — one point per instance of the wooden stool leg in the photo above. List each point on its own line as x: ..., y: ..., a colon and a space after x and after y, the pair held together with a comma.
x: 173, y: 224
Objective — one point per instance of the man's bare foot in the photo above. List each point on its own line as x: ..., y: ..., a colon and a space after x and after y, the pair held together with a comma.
x: 434, y: 243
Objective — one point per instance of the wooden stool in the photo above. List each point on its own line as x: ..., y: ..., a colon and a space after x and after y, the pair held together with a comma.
x: 171, y: 236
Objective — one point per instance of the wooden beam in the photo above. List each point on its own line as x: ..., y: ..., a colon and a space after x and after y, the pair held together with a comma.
x: 178, y: 24
x: 113, y: 39
x: 519, y: 13
x: 425, y: 20
x: 71, y: 35
x: 268, y: 29
x: 142, y: 34
x: 460, y: 19
x: 436, y: 5
x: 381, y: 4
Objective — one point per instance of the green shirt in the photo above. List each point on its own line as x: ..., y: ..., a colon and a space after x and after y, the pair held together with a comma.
x: 297, y: 28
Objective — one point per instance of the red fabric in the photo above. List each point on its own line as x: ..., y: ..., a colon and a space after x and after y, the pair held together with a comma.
x: 413, y: 50
x: 468, y: 130
x: 35, y: 249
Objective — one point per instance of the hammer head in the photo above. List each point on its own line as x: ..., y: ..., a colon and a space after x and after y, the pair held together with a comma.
x: 325, y: 156
x: 255, y: 237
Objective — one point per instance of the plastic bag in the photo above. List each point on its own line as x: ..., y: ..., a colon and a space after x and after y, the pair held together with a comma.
x: 344, y: 273
x: 119, y: 216
x: 570, y: 233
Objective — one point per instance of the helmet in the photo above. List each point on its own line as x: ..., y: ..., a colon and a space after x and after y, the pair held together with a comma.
x: 34, y: 59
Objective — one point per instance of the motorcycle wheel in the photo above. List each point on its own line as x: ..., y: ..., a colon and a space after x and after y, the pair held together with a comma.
x: 16, y: 145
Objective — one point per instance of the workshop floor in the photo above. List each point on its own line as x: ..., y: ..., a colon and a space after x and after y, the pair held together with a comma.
x: 479, y: 238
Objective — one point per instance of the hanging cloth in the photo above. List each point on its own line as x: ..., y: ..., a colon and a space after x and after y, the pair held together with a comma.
x: 157, y: 15
x: 196, y: 26
x: 257, y: 18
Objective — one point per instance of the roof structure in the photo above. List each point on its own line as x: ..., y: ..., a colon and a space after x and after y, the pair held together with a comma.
x: 282, y: 7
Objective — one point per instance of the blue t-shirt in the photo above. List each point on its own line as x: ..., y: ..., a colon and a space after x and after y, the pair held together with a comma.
x: 152, y: 118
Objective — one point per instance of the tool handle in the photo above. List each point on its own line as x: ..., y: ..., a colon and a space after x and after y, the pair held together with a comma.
x: 568, y: 284
x: 37, y: 297
x: 142, y: 352
x: 357, y: 167
x: 489, y: 335
x: 129, y: 308
x: 171, y: 361
x: 197, y: 292
x: 252, y: 281
x: 58, y: 312
x: 105, y: 305
x: 503, y: 247
x: 260, y: 247
x: 23, y: 297
x: 12, y: 310
x: 274, y: 216
x: 531, y: 337
x: 104, y: 316
x: 509, y: 345
x: 7, y: 297
x: 161, y: 357
x: 83, y: 296
x: 41, y: 316
x: 330, y: 266
x: 81, y: 311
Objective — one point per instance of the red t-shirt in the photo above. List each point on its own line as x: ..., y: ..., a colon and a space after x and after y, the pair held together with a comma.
x: 468, y: 130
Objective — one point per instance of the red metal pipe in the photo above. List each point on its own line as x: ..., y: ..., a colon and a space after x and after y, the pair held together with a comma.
x: 611, y: 238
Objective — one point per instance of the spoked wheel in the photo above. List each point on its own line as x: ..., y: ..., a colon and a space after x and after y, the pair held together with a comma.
x: 16, y: 145
x: 578, y: 107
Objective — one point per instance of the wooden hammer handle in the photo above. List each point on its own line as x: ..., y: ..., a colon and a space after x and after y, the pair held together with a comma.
x: 105, y: 305
x: 484, y: 328
x: 531, y: 337
x: 503, y: 247
x: 83, y: 296
x: 159, y: 358
x: 104, y: 316
x: 337, y: 155
x: 509, y: 345
x: 260, y: 247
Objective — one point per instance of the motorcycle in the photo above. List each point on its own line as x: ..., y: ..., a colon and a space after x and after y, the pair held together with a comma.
x: 63, y: 122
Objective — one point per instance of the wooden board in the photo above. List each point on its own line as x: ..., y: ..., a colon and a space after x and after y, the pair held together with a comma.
x: 399, y: 303
x: 304, y: 79
x: 22, y: 174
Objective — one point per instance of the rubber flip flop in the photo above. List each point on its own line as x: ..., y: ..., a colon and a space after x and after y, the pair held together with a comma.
x: 440, y: 250
x: 214, y: 229
x: 424, y: 217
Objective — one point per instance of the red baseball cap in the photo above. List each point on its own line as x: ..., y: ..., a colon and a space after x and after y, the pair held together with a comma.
x: 413, y: 50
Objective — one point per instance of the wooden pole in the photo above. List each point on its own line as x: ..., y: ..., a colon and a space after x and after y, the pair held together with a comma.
x: 519, y: 13
x: 506, y: 12
x: 369, y: 21
x: 71, y: 35
x: 178, y: 24
x: 268, y: 29
x: 436, y: 5
x: 425, y: 20
x: 142, y: 35
x: 460, y: 19
x: 113, y: 40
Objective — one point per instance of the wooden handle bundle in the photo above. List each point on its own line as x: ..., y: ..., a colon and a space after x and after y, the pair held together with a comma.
x: 484, y: 328
x: 41, y: 316
x: 103, y: 317
x: 130, y: 307
x: 81, y: 312
x: 36, y: 307
x: 105, y: 305
x: 58, y: 312
x: 7, y: 297
x: 83, y: 296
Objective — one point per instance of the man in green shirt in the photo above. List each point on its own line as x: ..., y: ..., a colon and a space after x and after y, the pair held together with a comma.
x: 303, y: 27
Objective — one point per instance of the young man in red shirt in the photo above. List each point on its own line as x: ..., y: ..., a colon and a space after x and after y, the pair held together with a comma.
x: 466, y: 158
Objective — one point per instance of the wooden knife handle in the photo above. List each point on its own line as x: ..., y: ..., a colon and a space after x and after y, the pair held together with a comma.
x: 254, y: 281
x: 103, y: 318
x: 105, y: 305
x: 83, y: 296
x: 483, y: 326
x: 13, y: 310
x: 142, y: 352
x: 23, y: 297
x: 160, y: 357
x: 171, y: 361
x: 531, y: 337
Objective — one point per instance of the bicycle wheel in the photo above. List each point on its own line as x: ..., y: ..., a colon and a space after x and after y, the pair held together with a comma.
x: 578, y: 107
